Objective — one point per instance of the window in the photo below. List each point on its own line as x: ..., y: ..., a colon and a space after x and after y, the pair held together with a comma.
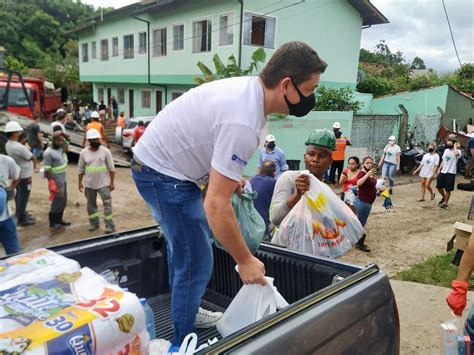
x: 121, y: 96
x: 104, y: 49
x: 178, y: 37
x: 85, y: 52
x: 175, y: 95
x: 93, y: 50
x: 128, y: 47
x: 146, y: 99
x: 100, y: 94
x: 259, y: 31
x: 159, y: 42
x: 142, y: 43
x: 202, y: 36
x: 115, y: 47
x: 226, y: 29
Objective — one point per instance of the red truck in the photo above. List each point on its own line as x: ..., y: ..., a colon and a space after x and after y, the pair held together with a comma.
x: 44, y: 97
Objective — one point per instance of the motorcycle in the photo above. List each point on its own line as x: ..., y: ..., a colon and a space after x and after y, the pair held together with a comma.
x: 411, y: 158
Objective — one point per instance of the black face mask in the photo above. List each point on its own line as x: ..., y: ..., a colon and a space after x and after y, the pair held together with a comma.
x: 271, y: 145
x: 95, y: 144
x: 450, y: 146
x: 431, y: 150
x: 303, y: 107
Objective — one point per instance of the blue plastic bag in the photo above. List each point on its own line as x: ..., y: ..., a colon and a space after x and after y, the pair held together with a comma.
x: 252, y: 225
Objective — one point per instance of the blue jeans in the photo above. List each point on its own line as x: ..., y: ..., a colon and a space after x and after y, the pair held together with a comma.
x: 389, y: 170
x: 177, y: 206
x: 362, y: 212
x: 37, y: 152
x: 8, y: 236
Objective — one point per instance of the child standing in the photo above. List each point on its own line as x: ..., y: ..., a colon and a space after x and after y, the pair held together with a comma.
x: 447, y: 171
x: 428, y: 166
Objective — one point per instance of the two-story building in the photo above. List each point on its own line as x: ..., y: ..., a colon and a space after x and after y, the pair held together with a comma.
x: 146, y: 54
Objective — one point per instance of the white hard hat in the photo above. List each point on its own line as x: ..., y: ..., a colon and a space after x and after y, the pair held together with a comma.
x: 92, y: 133
x: 13, y: 126
x: 95, y: 114
x: 270, y: 138
x: 60, y: 110
x: 336, y: 125
x: 392, y: 138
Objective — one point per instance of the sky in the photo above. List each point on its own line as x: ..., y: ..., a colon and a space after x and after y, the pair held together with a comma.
x: 416, y: 28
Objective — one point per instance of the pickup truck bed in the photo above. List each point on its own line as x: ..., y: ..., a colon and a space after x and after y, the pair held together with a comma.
x: 356, y: 315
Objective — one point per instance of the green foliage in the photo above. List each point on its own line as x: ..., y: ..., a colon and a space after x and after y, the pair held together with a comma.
x: 232, y: 69
x: 436, y: 270
x: 328, y: 99
x: 464, y: 78
x: 417, y: 63
x: 375, y: 85
x: 14, y: 64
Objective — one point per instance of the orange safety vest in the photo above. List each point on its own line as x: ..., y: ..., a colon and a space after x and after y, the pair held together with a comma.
x: 98, y: 126
x: 340, y: 152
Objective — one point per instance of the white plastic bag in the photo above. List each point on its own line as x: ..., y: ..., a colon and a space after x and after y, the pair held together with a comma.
x: 252, y: 303
x: 450, y: 333
x: 320, y: 224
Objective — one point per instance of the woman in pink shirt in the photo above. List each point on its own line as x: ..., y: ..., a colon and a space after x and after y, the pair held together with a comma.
x: 348, y: 181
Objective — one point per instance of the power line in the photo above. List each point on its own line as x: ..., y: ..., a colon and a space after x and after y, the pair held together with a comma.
x: 451, y: 31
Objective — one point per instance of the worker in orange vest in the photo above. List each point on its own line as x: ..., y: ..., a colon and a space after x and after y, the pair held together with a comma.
x: 95, y: 124
x: 339, y: 155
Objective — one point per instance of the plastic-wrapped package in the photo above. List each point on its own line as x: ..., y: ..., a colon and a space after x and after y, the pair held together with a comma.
x: 36, y: 266
x: 320, y: 224
x: 252, y: 303
x: 72, y: 313
x: 450, y: 331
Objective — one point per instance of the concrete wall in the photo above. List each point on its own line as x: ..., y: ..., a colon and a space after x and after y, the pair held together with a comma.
x: 291, y: 133
x: 460, y: 108
x: 422, y: 101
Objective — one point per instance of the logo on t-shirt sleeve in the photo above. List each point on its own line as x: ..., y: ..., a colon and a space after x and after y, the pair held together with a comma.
x: 236, y: 158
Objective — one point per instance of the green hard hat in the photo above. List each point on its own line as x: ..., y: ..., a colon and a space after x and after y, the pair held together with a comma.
x: 322, y: 138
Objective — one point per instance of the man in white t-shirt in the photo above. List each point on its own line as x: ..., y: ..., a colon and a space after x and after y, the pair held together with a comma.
x: 447, y: 171
x: 390, y: 161
x: 208, y: 135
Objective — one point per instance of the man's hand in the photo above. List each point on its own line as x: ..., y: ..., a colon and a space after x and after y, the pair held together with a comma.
x: 81, y: 187
x: 252, y: 271
x: 112, y: 186
x: 456, y: 300
x: 302, y: 184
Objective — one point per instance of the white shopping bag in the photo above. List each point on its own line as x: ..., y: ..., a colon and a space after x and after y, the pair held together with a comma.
x: 252, y: 303
x: 320, y: 224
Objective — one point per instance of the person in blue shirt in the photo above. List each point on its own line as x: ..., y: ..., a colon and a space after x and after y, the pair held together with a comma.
x: 264, y: 184
x: 470, y: 154
x: 273, y: 153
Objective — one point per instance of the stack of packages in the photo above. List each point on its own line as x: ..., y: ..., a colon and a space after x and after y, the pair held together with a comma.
x: 453, y: 339
x: 49, y: 305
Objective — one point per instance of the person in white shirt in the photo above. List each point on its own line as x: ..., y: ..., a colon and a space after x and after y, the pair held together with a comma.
x: 390, y: 161
x: 446, y: 173
x: 427, y: 168
x: 207, y: 136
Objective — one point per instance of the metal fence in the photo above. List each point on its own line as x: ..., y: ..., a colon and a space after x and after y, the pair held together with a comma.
x: 372, y: 131
x: 425, y: 128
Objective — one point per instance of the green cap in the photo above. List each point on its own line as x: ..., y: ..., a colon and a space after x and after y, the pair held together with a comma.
x: 322, y: 138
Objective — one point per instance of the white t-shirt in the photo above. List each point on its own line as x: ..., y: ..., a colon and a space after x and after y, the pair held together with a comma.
x: 57, y: 123
x: 216, y: 125
x: 427, y: 163
x: 391, y: 152
x: 449, y: 162
x: 9, y: 170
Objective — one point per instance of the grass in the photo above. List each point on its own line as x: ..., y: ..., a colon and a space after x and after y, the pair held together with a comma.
x: 436, y: 270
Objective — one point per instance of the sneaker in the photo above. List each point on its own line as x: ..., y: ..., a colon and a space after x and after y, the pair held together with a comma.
x: 109, y: 229
x: 441, y: 202
x: 363, y: 248
x: 26, y: 222
x: 443, y: 206
x: 56, y: 228
x: 66, y: 224
x: 206, y: 319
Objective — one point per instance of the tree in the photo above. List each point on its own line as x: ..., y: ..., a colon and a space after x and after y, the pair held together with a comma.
x: 375, y: 85
x: 417, y: 63
x: 14, y: 64
x: 463, y: 78
x: 231, y: 69
x: 328, y: 99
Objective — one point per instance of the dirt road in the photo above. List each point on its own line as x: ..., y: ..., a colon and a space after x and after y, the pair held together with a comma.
x: 407, y: 234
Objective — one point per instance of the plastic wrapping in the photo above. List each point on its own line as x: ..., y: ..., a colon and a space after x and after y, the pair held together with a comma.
x: 252, y: 303
x: 320, y: 224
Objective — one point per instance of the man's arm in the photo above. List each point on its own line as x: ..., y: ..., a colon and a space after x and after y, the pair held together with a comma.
x: 112, y: 177
x: 348, y: 142
x: 283, y: 164
x: 222, y: 220
x: 111, y: 167
x: 467, y: 261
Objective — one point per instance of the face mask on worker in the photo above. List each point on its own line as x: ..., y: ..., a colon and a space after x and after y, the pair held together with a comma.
x: 94, y: 144
x: 431, y: 149
x: 392, y: 143
x: 271, y: 145
x: 58, y: 145
x: 304, y: 106
x: 450, y: 145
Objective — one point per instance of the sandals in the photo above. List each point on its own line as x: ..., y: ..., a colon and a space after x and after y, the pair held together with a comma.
x: 432, y: 197
x: 420, y: 200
